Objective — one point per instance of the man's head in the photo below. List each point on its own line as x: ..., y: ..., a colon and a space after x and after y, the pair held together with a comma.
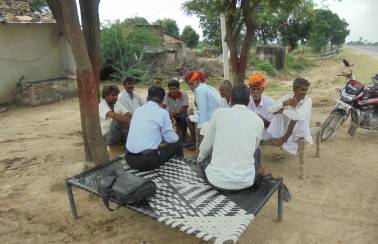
x: 225, y: 88
x: 257, y: 85
x: 300, y: 88
x: 110, y: 94
x: 173, y: 87
x: 129, y: 84
x: 194, y: 78
x: 156, y: 94
x: 157, y: 81
x: 240, y: 95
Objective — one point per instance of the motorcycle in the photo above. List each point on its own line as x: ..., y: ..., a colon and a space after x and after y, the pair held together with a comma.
x: 358, y: 101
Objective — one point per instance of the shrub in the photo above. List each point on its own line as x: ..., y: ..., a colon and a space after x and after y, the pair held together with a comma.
x: 267, y: 67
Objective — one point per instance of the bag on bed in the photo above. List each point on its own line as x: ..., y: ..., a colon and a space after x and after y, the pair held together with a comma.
x: 125, y: 188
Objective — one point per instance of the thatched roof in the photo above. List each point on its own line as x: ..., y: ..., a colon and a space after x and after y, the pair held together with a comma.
x: 19, y: 12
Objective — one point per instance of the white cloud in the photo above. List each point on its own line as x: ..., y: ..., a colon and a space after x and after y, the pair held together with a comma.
x: 361, y: 16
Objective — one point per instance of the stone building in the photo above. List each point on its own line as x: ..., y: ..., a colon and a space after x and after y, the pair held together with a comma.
x: 172, y: 51
x: 34, y: 55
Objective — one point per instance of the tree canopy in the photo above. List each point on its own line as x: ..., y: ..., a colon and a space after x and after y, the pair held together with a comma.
x: 169, y: 26
x: 327, y: 28
x: 241, y: 25
x: 190, y: 36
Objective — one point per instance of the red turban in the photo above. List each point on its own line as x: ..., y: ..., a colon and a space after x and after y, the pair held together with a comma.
x: 257, y: 80
x: 194, y: 75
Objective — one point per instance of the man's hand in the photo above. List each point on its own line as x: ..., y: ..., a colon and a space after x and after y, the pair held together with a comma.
x: 279, y: 111
x: 290, y: 102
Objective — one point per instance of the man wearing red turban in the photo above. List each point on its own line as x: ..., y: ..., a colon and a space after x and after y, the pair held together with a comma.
x: 260, y: 103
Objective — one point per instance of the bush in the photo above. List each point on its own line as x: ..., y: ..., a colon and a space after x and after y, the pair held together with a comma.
x: 298, y: 66
x: 123, y: 49
x: 267, y: 67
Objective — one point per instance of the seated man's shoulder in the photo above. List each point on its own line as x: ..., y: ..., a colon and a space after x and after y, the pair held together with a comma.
x: 269, y: 99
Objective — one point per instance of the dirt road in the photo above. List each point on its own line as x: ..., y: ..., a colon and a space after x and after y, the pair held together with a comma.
x: 336, y: 203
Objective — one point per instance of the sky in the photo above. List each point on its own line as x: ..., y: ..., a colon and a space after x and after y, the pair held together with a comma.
x: 360, y: 14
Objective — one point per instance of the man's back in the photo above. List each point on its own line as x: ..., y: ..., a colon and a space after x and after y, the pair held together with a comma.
x: 233, y: 135
x: 149, y: 125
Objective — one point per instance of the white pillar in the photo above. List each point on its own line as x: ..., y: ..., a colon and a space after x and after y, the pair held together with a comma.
x: 226, y: 69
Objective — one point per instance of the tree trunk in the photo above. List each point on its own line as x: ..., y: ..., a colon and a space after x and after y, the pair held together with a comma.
x: 90, y: 21
x: 238, y: 63
x: 67, y: 16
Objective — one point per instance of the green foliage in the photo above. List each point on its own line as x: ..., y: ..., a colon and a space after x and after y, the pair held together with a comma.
x: 296, y: 25
x: 38, y: 5
x: 135, y: 21
x: 327, y: 27
x: 169, y: 26
x: 190, y: 36
x: 123, y: 49
x: 267, y: 67
x: 267, y: 23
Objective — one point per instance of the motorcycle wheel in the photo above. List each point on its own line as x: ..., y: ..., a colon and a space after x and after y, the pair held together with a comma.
x: 330, y: 124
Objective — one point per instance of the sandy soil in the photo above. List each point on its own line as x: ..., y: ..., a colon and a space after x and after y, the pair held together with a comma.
x: 336, y: 203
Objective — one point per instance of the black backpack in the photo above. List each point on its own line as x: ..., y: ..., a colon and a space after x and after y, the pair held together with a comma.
x: 125, y: 188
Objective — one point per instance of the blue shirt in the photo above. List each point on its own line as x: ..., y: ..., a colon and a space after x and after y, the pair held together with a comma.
x: 149, y: 125
x: 207, y: 101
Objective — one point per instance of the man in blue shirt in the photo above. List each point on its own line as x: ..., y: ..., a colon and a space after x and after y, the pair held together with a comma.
x: 207, y: 98
x: 150, y: 125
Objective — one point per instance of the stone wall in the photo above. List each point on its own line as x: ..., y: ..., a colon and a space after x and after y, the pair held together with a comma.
x: 46, y: 91
x: 32, y: 51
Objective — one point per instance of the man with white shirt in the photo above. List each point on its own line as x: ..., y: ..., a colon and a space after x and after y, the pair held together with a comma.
x: 114, y: 124
x: 150, y: 126
x: 291, y: 120
x: 229, y: 149
x: 128, y: 99
x: 259, y: 103
x: 225, y: 88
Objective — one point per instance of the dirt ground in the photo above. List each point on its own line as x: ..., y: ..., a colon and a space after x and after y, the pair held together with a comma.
x: 335, y: 203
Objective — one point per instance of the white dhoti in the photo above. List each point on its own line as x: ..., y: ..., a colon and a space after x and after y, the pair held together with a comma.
x: 278, y: 127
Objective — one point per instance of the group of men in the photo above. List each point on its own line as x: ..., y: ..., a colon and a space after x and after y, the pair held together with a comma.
x: 232, y: 122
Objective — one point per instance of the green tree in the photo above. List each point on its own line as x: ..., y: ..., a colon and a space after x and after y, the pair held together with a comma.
x: 296, y: 25
x: 169, y: 26
x: 327, y: 28
x: 340, y: 32
x: 190, y: 36
x: 241, y: 23
x: 266, y: 23
x: 209, y: 21
x: 136, y: 21
x: 124, y: 48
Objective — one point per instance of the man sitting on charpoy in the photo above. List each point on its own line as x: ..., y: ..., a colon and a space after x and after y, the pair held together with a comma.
x: 229, y: 150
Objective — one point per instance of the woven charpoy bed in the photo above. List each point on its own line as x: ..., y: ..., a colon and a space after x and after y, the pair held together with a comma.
x: 186, y: 202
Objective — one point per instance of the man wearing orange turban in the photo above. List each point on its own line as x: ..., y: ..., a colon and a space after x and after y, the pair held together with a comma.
x: 260, y: 103
x: 206, y: 99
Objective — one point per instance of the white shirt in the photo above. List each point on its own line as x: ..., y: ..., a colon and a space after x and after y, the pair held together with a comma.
x: 262, y: 108
x: 301, y: 112
x: 105, y: 121
x: 126, y: 102
x: 207, y: 100
x: 224, y: 103
x: 232, y: 135
x: 149, y: 125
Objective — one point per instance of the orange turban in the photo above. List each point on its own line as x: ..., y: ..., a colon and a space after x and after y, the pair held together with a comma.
x: 194, y: 75
x: 257, y: 80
